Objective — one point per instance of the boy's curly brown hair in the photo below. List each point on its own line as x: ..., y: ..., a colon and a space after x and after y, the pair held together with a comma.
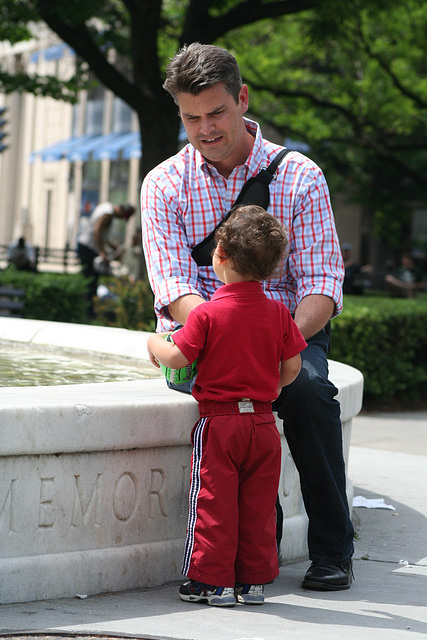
x: 255, y: 241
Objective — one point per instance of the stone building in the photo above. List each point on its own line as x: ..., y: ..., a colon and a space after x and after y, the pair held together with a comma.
x: 61, y: 159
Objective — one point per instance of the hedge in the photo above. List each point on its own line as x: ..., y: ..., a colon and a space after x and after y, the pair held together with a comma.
x: 386, y: 339
x: 49, y: 296
x: 130, y: 305
x: 62, y: 298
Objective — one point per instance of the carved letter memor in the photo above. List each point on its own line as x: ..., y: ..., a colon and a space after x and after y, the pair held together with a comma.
x: 87, y: 506
x: 8, y: 510
x: 157, y: 487
x: 125, y: 499
x: 47, y: 512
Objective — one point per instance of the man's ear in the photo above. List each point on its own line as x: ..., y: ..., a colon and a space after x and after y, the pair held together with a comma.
x: 244, y: 98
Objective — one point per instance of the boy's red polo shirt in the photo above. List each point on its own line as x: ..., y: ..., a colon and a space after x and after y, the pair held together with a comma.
x: 218, y: 334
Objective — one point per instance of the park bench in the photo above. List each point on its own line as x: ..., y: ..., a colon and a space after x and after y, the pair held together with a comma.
x: 63, y: 259
x: 11, y: 301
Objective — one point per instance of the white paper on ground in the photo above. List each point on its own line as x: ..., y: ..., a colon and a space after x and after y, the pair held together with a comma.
x: 371, y: 503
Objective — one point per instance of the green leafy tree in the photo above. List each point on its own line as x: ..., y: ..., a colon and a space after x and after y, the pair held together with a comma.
x: 147, y: 33
x: 347, y: 78
x: 353, y: 86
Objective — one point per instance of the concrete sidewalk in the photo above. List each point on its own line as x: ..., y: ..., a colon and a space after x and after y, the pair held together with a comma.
x: 388, y: 599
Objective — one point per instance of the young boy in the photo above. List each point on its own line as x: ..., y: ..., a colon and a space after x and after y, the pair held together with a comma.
x: 247, y: 348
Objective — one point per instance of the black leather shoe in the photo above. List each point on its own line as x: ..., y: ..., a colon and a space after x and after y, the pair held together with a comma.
x: 328, y: 577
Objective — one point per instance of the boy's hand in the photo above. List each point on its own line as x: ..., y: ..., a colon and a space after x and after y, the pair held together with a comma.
x: 151, y: 344
x: 153, y: 359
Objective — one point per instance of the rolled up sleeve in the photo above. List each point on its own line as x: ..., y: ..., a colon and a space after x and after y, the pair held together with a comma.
x: 315, y: 260
x: 172, y: 271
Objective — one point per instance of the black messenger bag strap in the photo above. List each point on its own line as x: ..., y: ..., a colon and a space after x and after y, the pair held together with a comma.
x: 255, y: 191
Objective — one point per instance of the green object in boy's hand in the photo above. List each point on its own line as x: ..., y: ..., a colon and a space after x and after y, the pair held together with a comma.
x: 179, y: 376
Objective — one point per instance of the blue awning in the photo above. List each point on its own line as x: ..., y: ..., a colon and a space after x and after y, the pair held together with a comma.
x: 111, y: 148
x: 82, y: 151
x: 57, y: 151
x: 133, y: 148
x: 99, y: 147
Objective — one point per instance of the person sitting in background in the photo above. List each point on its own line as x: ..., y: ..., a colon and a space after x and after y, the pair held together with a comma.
x: 407, y: 280
x: 355, y: 276
x: 21, y: 255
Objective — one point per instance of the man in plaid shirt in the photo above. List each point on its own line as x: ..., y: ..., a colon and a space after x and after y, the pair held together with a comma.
x: 183, y: 199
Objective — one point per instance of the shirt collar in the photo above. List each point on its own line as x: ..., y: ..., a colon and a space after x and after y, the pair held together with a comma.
x: 250, y: 287
x: 254, y: 162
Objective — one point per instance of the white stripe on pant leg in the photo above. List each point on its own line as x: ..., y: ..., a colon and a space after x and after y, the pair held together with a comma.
x: 194, y: 492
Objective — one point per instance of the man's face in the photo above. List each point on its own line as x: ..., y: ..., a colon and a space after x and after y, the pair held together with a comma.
x: 215, y: 126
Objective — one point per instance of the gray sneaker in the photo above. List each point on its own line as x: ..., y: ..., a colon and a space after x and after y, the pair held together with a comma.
x: 193, y: 591
x: 249, y: 593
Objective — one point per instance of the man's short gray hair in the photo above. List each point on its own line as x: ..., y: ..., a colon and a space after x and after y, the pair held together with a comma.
x: 197, y: 66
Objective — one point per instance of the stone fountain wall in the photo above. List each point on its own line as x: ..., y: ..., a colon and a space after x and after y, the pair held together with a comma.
x: 94, y: 478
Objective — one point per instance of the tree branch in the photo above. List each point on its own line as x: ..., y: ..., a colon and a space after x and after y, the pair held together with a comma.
x: 395, y: 80
x: 369, y: 143
x: 321, y: 102
x: 80, y: 39
x: 197, y: 15
x: 213, y: 27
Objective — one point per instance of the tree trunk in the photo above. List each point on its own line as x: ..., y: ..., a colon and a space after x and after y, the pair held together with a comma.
x: 159, y: 125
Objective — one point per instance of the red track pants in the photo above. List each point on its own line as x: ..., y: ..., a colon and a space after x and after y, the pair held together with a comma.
x: 231, y: 535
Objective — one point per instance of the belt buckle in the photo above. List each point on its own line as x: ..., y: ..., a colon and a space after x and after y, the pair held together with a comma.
x: 246, y: 406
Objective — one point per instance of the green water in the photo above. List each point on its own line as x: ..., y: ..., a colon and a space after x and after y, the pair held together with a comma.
x: 26, y: 367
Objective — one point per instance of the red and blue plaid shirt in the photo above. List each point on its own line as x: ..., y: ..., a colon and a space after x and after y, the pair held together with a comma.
x: 184, y: 198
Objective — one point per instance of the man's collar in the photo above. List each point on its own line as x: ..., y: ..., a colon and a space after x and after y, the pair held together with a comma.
x: 253, y: 162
